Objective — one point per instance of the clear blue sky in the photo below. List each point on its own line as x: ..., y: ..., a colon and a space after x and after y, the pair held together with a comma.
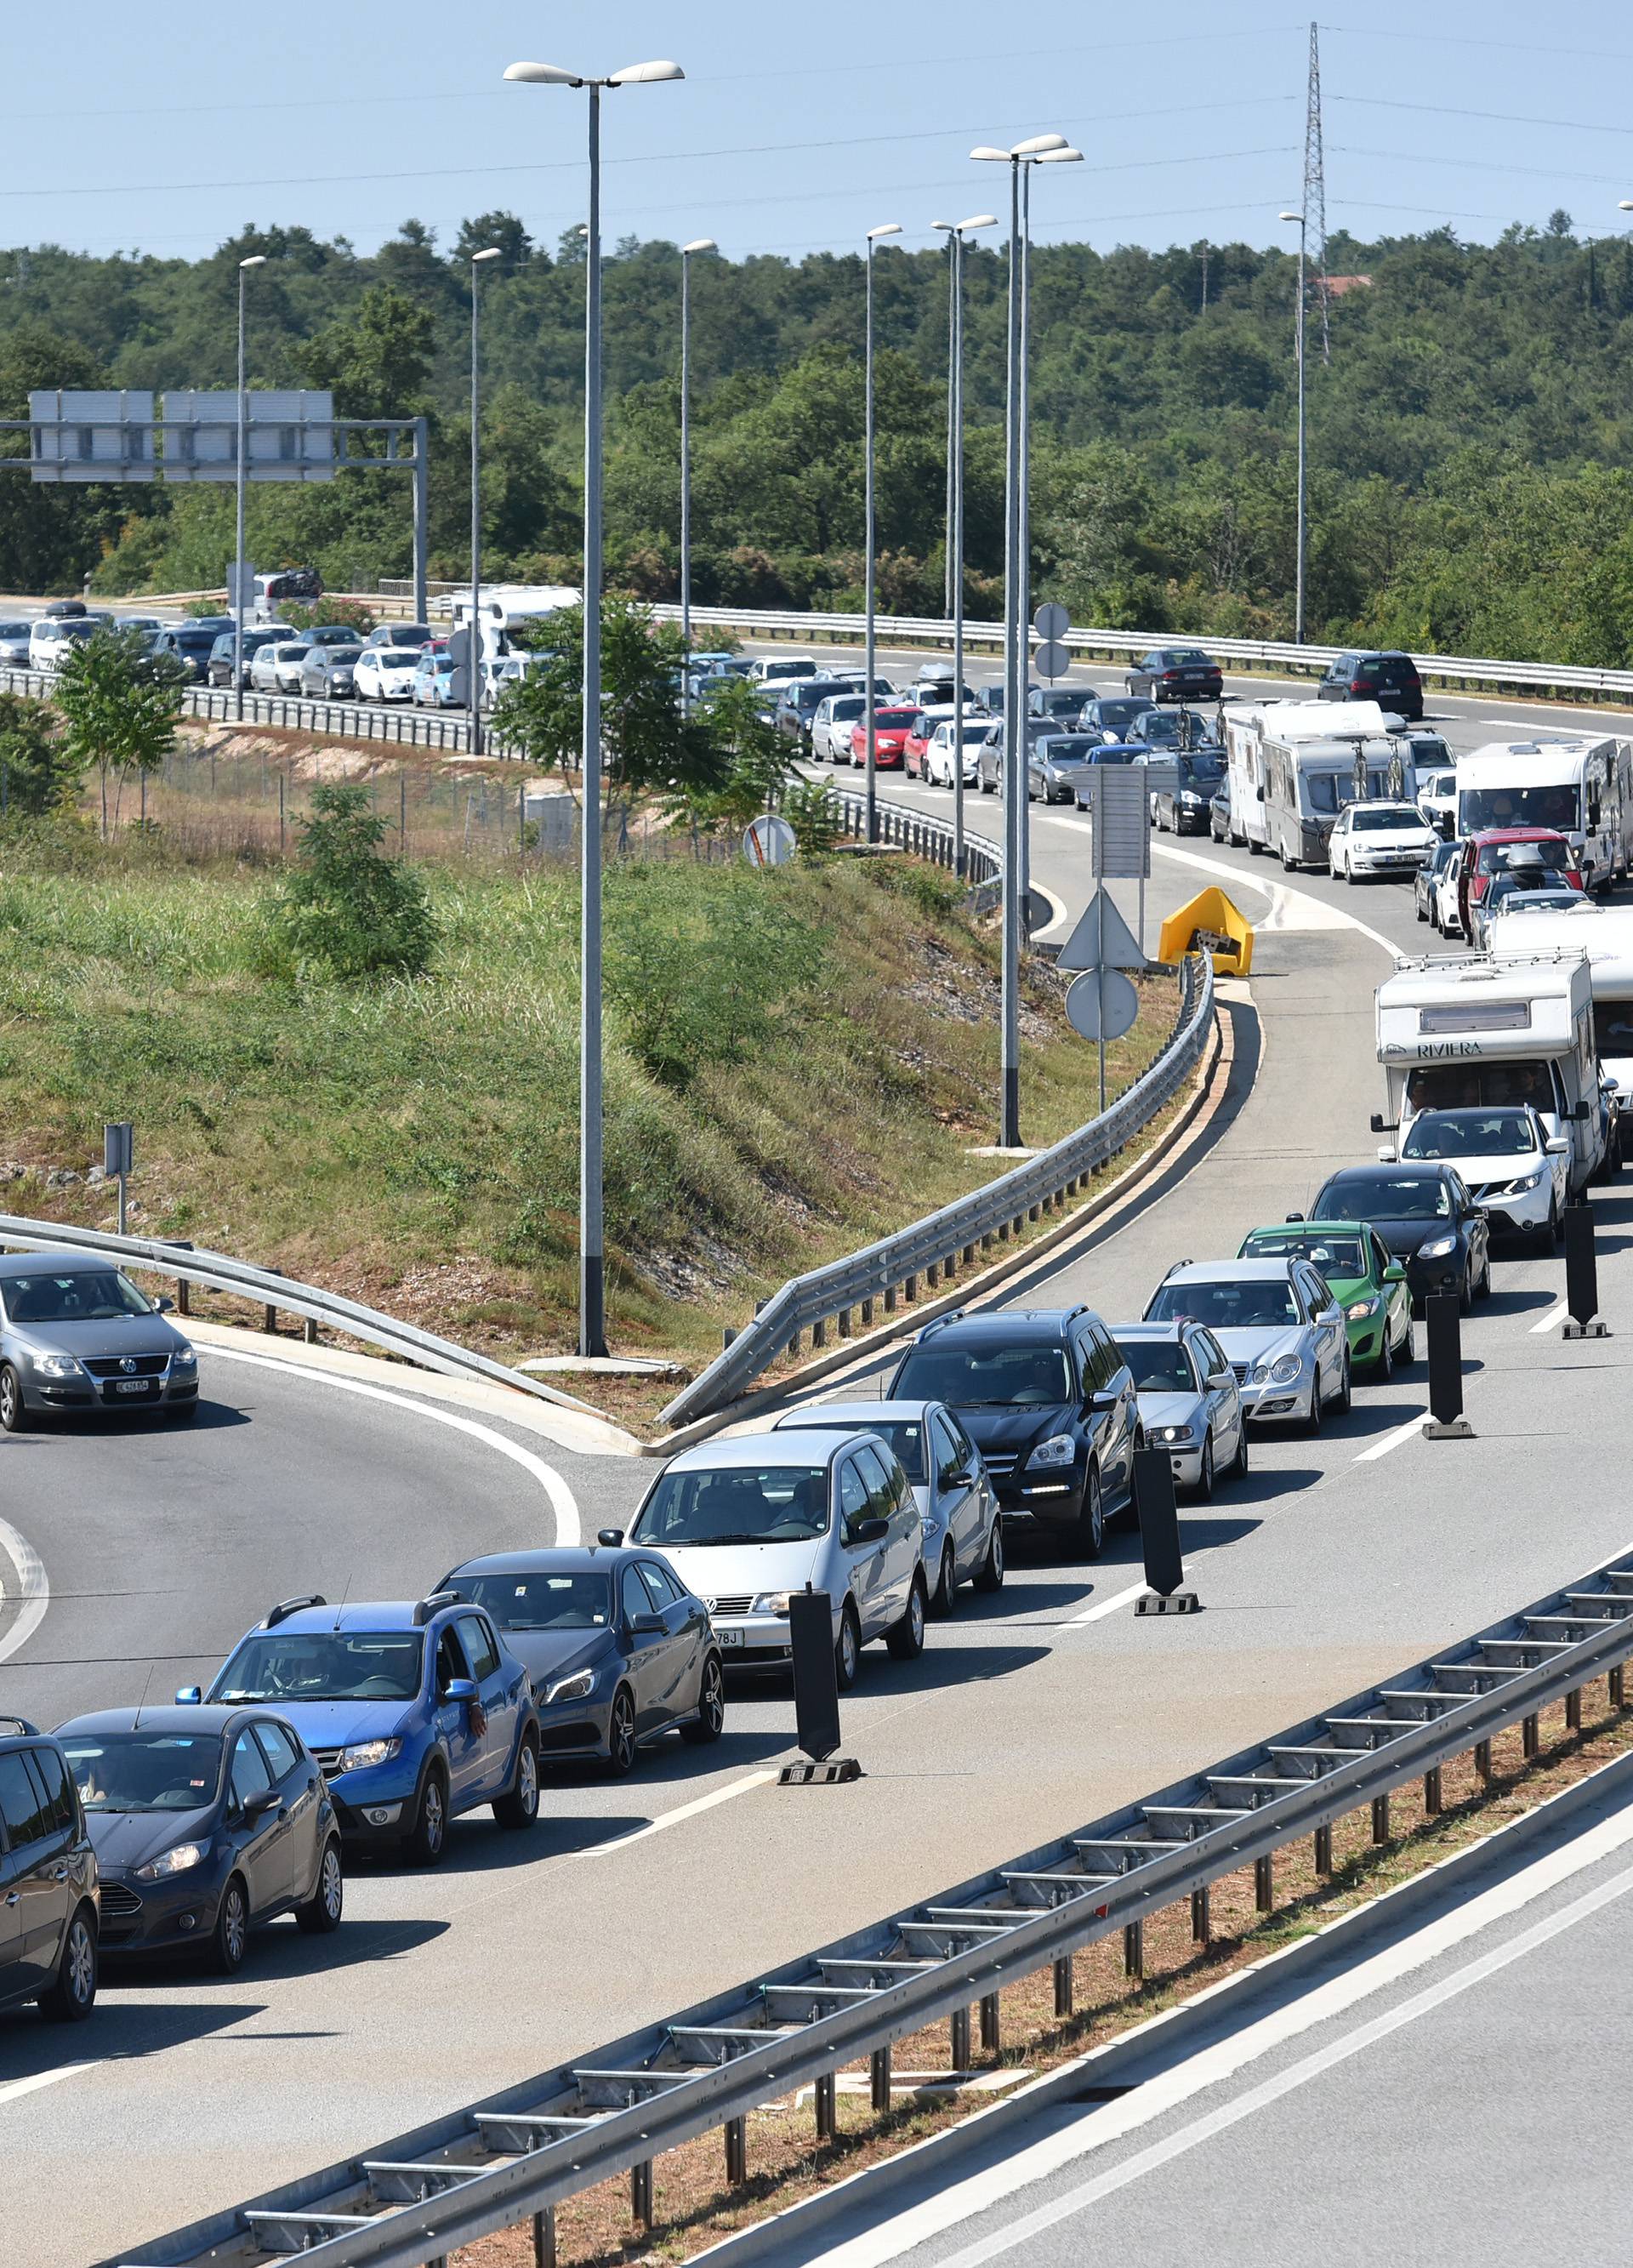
x: 798, y: 129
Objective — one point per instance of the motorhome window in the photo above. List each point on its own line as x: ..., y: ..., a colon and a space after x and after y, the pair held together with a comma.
x: 1520, y: 807
x: 1612, y: 1028
x: 1481, y: 1086
x: 1476, y: 1016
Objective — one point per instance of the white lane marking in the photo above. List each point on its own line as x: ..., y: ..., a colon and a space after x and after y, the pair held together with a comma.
x: 33, y: 1591
x: 958, y: 2201
x: 33, y: 2084
x: 563, y: 1501
x: 1058, y: 911
x: 1552, y: 1321
x: 1308, y: 2067
x: 743, y: 1786
x: 1413, y: 1426
x: 1104, y: 1607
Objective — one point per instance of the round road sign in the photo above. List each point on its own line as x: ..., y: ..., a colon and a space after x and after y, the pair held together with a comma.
x: 1102, y: 1005
x: 460, y: 648
x: 1051, y: 658
x: 1051, y: 621
x: 769, y: 842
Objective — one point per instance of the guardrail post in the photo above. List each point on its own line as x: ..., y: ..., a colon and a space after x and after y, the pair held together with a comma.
x: 842, y: 1322
x: 867, y: 1314
x: 1264, y: 1883
x: 269, y: 1318
x: 1134, y: 1948
x: 640, y: 2195
x: 1432, y: 1804
x: 890, y: 1298
x: 989, y: 2022
x: 1573, y: 1709
x: 969, y: 1255
x: 818, y: 1334
x: 910, y: 1288
x: 1324, y: 1850
x: 736, y: 2150
x: 878, y: 2073
x: 544, y: 2237
x: 957, y: 2034
x: 826, y: 2092
x: 1062, y: 1985
x: 1530, y: 1735
x: 1380, y: 1818
x: 932, y: 1277
x: 1615, y: 1683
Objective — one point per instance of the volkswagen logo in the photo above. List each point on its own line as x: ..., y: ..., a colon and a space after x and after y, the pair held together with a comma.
x: 127, y: 1364
x: 711, y: 1604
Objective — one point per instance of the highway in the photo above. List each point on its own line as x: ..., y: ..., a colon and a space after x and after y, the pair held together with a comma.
x: 1340, y: 1559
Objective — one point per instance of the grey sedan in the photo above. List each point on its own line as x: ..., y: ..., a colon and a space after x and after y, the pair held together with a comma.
x: 76, y: 1335
x: 1058, y: 764
x: 326, y: 672
x: 1189, y: 1401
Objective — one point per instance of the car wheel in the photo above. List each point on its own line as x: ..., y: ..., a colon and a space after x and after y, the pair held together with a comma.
x: 71, y: 1995
x: 1312, y: 1420
x: 941, y: 1597
x: 710, y: 1722
x: 622, y: 1746
x: 1383, y: 1368
x: 1349, y: 875
x: 1345, y: 1395
x: 848, y: 1647
x: 905, y: 1639
x: 13, y: 1414
x: 1239, y: 1468
x: 519, y: 1806
x: 1089, y: 1535
x: 1482, y: 1289
x: 427, y: 1839
x: 990, y: 1577
x: 1205, y: 1486
x: 323, y: 1910
x: 229, y: 1940
x: 1466, y: 1293
x: 1419, y: 907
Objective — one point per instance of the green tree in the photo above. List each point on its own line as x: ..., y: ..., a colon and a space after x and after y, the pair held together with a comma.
x: 346, y: 912
x: 350, y: 613
x: 38, y: 772
x: 119, y: 713
x: 754, y: 764
x: 375, y: 361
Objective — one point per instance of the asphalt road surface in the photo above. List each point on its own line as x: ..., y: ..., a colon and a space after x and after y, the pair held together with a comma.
x: 1340, y: 1559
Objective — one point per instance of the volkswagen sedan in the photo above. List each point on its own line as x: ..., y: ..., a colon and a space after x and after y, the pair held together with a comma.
x: 76, y: 1335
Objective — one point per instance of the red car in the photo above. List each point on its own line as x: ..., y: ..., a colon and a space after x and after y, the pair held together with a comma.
x: 891, y: 728
x: 1490, y: 852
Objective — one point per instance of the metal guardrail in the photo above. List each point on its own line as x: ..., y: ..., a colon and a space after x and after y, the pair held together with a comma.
x: 490, y: 2166
x: 396, y: 725
x: 925, y: 836
x: 937, y: 1245
x: 219, y: 1272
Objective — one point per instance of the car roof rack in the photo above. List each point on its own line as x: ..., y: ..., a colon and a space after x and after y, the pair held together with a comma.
x: 19, y: 1726
x: 433, y: 1605
x: 940, y: 1322
x: 285, y: 1608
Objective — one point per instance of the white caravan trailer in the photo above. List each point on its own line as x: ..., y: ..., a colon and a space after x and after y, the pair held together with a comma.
x: 1604, y: 933
x: 1479, y: 1033
x: 1294, y: 764
x: 1580, y: 784
x: 507, y: 606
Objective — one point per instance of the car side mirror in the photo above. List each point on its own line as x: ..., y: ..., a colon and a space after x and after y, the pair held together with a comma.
x: 870, y: 1531
x: 1578, y: 1114
x: 163, y: 1305
x: 649, y: 1625
x: 264, y: 1801
x: 1330, y: 1316
x: 1386, y: 1153
x: 460, y: 1688
x: 1395, y: 1273
x: 188, y: 1697
x: 1222, y: 1378
x: 960, y: 1479
x: 1295, y: 1216
x: 1557, y: 1146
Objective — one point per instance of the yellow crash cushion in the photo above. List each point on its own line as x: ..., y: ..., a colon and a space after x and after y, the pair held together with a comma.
x: 1208, y: 924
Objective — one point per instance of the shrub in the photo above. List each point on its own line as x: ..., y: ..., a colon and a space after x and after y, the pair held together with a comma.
x: 351, y: 613
x: 346, y: 912
x: 38, y: 772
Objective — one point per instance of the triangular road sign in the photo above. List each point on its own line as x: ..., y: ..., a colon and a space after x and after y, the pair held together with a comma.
x: 1089, y: 947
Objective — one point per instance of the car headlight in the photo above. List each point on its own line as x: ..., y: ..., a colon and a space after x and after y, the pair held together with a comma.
x: 576, y: 1688
x: 1174, y: 1433
x: 176, y: 1860
x: 1192, y: 801
x: 1358, y: 1310
x: 184, y: 1358
x: 1523, y: 1182
x: 1059, y: 1449
x: 57, y: 1365
x: 362, y: 1754
x: 1437, y: 1247
x: 769, y: 1602
x: 1283, y: 1372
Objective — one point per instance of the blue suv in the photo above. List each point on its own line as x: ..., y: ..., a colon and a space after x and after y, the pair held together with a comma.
x: 416, y: 1710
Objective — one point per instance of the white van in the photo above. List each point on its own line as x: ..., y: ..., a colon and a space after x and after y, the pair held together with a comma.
x: 777, y: 668
x: 1580, y: 784
x: 52, y: 637
x: 1481, y: 1033
x: 507, y: 605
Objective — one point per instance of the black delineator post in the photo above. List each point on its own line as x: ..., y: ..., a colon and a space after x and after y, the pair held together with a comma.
x: 1159, y: 1537
x: 1445, y: 1421
x: 1581, y: 1277
x: 816, y: 1695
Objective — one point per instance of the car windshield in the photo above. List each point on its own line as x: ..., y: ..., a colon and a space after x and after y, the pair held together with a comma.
x: 1388, y: 1197
x: 1334, y: 1255
x: 410, y: 634
x: 78, y: 1296
x: 1518, y: 806
x: 1518, y: 881
x: 1201, y: 769
x: 775, y: 1504
x: 1071, y: 748
x: 1227, y: 1303
x: 323, y: 1666
x: 397, y: 657
x: 904, y: 1435
x: 985, y: 1373
x: 523, y: 1602
x: 1386, y: 818
x: 1470, y: 1134
x: 1479, y: 1086
x: 1539, y: 901
x: 1159, y: 1365
x: 1116, y: 716
x: 894, y: 720
x: 1612, y: 1028
x: 145, y: 1772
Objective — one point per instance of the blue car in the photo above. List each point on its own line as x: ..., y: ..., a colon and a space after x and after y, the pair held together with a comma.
x: 417, y: 1710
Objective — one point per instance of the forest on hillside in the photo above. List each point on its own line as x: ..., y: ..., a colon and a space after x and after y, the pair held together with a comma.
x: 1471, y: 433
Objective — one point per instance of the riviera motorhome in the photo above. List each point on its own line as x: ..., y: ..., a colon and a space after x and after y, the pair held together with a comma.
x: 1293, y: 765
x: 1581, y: 785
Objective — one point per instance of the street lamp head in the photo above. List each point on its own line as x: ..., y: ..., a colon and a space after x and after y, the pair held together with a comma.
x: 886, y: 228
x: 979, y: 220
x: 1059, y: 158
x: 1624, y: 205
x: 1039, y: 145
x: 255, y: 260
x: 543, y: 75
x: 944, y: 223
x: 494, y: 251
x: 644, y: 74
x: 996, y: 157
x: 1298, y: 217
x: 699, y: 244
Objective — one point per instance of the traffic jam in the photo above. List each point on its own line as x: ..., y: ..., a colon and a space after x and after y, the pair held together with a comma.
x: 336, y: 1731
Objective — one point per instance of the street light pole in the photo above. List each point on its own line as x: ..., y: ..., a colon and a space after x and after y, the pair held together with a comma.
x: 474, y: 639
x: 699, y: 244
x: 241, y: 476
x: 1299, y: 571
x: 591, y: 1245
x: 887, y: 228
x: 956, y: 230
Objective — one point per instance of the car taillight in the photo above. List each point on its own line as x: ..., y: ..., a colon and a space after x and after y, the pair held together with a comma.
x: 1358, y: 685
x: 1172, y: 672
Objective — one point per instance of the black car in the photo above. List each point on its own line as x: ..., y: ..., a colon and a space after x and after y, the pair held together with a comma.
x: 1184, y: 808
x: 1111, y: 717
x: 1426, y: 1218
x: 1049, y: 1402
x: 798, y: 702
x: 1061, y: 703
x: 47, y: 1879
x: 1390, y: 679
x: 1177, y: 672
x: 218, y: 669
x: 190, y: 644
x: 205, y: 1821
x: 617, y: 1649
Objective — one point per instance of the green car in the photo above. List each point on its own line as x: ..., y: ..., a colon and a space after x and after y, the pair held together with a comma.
x: 1368, y: 1284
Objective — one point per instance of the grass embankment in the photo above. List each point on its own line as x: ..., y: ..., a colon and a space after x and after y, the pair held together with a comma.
x: 795, y: 1063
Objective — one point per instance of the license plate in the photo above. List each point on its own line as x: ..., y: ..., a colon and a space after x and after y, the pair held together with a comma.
x: 729, y: 1638
x: 131, y: 1386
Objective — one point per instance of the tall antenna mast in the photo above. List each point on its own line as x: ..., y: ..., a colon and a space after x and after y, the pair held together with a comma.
x: 1315, y: 188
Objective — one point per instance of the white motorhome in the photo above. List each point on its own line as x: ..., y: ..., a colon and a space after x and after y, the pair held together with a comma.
x: 1294, y: 764
x: 1479, y: 1032
x: 1580, y: 784
x: 508, y: 605
x: 1604, y: 933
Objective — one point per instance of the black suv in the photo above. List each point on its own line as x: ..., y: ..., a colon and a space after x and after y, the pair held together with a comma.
x: 1390, y: 679
x: 47, y: 1879
x: 1049, y: 1402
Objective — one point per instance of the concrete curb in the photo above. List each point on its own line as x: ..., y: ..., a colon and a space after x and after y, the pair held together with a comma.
x: 1208, y: 1091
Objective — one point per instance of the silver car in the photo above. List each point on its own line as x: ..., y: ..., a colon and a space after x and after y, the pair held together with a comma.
x: 76, y: 1335
x: 326, y: 672
x: 1058, y: 764
x: 14, y: 637
x: 1279, y: 1322
x: 1190, y: 1404
x: 963, y: 1535
x: 746, y: 1523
